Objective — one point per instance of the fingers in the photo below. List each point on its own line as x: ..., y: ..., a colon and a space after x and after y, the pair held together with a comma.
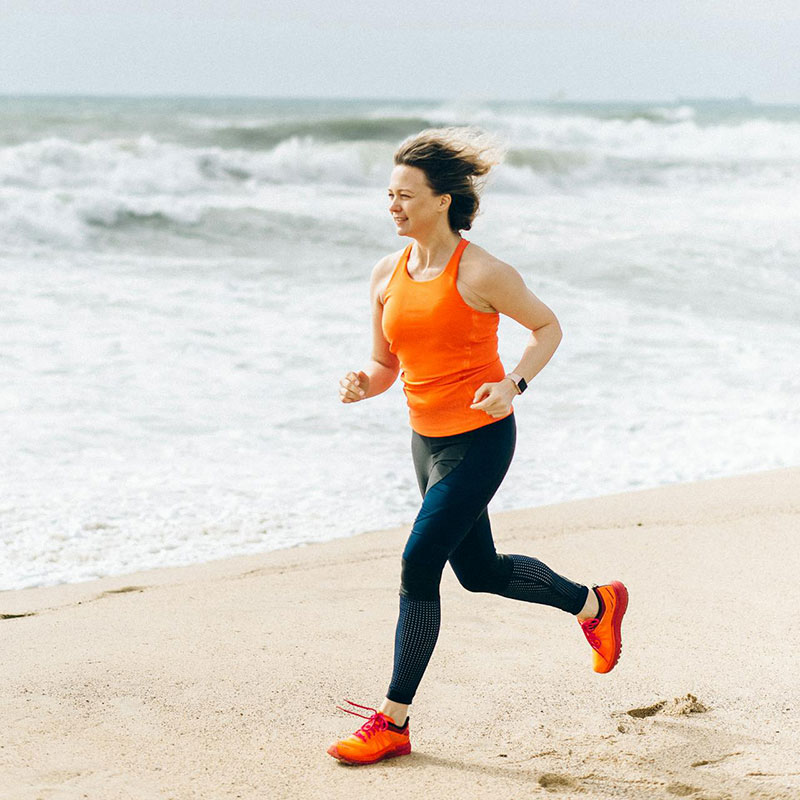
x: 494, y: 403
x: 482, y: 391
x: 351, y: 387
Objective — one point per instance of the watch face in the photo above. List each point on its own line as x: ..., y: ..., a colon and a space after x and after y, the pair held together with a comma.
x: 522, y: 385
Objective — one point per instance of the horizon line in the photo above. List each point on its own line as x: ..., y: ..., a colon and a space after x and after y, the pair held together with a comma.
x: 740, y: 99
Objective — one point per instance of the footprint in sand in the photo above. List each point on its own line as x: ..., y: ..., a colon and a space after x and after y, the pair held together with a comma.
x: 553, y: 782
x: 681, y: 789
x: 679, y: 706
x: 122, y: 590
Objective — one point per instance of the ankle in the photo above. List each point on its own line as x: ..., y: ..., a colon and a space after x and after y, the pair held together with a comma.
x: 591, y: 608
x: 397, y: 712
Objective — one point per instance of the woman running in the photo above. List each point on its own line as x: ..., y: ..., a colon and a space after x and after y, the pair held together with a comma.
x: 435, y: 313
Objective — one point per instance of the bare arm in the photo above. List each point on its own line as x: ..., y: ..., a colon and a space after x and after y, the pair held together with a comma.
x: 501, y: 287
x: 508, y: 294
x: 383, y: 367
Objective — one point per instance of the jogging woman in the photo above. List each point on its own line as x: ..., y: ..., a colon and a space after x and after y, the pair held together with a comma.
x: 435, y: 313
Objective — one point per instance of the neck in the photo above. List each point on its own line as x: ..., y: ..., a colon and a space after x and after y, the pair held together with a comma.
x: 435, y: 248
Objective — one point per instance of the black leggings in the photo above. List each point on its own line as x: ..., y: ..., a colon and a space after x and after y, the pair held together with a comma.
x: 458, y: 476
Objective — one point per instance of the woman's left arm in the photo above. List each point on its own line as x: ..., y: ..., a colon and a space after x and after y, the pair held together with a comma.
x: 501, y: 286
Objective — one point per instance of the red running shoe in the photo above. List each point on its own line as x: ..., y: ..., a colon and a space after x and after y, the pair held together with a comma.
x: 604, y: 631
x: 376, y: 739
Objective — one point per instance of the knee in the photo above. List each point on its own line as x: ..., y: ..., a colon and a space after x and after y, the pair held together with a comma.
x: 420, y: 581
x: 491, y: 577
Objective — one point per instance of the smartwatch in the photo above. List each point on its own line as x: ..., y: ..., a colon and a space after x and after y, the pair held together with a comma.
x: 518, y: 381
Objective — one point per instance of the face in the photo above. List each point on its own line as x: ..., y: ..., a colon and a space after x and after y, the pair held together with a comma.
x: 412, y: 203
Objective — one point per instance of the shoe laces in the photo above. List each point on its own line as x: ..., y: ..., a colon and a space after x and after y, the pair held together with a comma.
x: 374, y: 724
x: 588, y: 627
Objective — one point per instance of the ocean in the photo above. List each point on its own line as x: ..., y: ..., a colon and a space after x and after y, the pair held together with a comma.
x: 184, y: 281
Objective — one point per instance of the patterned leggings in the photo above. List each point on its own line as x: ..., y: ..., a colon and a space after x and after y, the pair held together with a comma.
x: 458, y: 476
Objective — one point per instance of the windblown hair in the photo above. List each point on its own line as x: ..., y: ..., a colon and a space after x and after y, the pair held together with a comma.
x: 454, y: 161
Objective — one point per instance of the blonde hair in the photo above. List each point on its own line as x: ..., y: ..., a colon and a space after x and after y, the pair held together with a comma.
x: 454, y: 161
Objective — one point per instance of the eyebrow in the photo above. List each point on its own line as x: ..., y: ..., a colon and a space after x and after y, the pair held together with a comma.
x: 409, y: 191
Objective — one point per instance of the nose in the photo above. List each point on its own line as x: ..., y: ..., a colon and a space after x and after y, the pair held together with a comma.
x: 394, y: 206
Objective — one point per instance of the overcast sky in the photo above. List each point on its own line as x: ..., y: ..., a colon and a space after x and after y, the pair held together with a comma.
x: 509, y: 49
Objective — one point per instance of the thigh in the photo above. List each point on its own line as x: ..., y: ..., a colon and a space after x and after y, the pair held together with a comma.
x: 476, y: 549
x: 436, y: 457
x: 477, y: 564
x: 453, y: 504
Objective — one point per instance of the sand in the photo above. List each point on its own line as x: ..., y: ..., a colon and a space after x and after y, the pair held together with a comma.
x: 221, y: 680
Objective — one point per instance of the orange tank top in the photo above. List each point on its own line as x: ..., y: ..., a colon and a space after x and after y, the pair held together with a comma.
x: 446, y: 349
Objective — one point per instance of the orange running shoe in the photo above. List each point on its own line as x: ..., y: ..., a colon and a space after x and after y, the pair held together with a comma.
x: 603, y: 632
x: 376, y: 739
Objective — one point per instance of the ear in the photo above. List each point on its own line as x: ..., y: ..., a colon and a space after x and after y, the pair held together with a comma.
x: 444, y: 201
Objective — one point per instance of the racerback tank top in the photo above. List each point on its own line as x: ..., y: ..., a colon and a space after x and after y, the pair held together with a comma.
x: 446, y: 349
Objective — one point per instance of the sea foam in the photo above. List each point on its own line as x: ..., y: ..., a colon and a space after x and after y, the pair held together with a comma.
x: 185, y: 281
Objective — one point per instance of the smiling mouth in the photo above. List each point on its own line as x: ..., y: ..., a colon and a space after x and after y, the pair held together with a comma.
x: 398, y: 220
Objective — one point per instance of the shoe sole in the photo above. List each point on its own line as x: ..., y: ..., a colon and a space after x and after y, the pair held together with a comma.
x: 621, y: 607
x: 403, y: 750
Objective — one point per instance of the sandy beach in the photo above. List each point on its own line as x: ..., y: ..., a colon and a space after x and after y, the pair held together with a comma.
x: 221, y: 680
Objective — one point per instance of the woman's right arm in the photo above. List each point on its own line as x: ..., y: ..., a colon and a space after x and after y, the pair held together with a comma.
x: 383, y: 367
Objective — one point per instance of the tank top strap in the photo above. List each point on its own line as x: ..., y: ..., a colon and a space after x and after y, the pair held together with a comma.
x: 455, y: 259
x: 400, y: 266
x: 403, y: 261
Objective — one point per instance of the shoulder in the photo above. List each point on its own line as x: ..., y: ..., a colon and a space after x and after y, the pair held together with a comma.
x: 497, y: 285
x: 382, y: 272
x: 482, y: 271
x: 385, y: 266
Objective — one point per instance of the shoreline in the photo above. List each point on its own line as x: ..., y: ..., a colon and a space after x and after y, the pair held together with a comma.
x: 160, y: 575
x: 220, y: 679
